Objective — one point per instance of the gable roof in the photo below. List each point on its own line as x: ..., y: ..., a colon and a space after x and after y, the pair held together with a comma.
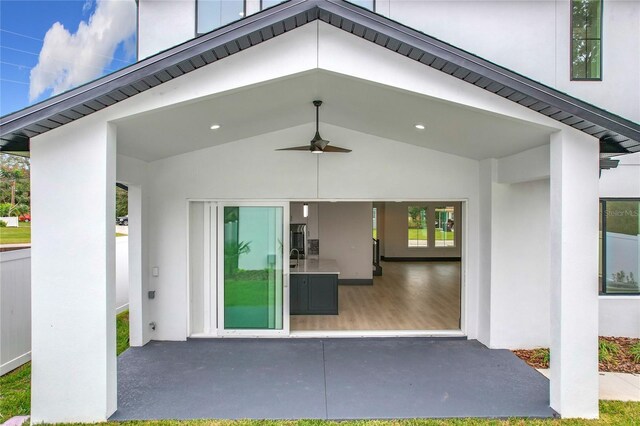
x: 616, y: 134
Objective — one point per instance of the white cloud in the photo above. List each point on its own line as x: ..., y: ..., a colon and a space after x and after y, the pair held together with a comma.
x: 87, y: 6
x: 68, y: 60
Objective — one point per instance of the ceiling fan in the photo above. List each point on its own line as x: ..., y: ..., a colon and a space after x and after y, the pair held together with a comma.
x: 317, y: 144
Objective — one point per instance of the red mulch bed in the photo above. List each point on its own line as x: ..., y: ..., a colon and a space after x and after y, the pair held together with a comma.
x: 622, y: 363
x: 530, y: 356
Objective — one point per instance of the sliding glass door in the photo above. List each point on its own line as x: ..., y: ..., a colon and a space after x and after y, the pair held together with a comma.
x: 252, y: 274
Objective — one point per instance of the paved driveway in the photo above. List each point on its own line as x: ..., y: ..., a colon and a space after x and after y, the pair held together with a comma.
x: 326, y: 379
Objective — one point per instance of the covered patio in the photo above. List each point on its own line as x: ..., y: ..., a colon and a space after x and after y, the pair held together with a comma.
x: 205, y: 122
x: 332, y: 379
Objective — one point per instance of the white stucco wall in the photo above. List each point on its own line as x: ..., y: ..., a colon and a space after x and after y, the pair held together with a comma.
x: 620, y: 315
x: 122, y: 274
x: 163, y: 24
x: 520, y: 263
x: 208, y: 172
x: 133, y: 173
x: 245, y: 170
x: 624, y: 180
x: 531, y: 37
x: 75, y: 305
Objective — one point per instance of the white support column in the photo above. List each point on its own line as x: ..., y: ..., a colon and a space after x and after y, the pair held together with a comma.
x: 574, y: 274
x: 137, y: 291
x: 73, y: 274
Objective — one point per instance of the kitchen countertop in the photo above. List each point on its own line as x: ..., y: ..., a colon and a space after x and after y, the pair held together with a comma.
x: 315, y: 266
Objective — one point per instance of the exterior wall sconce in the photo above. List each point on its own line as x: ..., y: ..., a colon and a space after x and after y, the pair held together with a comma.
x: 305, y: 210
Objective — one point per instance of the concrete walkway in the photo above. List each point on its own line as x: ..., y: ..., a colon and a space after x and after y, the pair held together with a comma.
x: 615, y: 386
x: 326, y: 379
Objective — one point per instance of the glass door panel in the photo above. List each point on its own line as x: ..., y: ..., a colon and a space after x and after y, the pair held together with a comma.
x: 253, y: 276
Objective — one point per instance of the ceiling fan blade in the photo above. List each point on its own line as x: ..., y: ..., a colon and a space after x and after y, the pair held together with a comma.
x: 335, y: 149
x: 296, y: 148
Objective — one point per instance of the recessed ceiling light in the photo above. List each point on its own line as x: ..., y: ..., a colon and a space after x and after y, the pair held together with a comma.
x: 420, y: 126
x: 215, y: 127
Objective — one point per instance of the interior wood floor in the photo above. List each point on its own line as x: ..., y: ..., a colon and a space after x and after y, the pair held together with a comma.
x: 408, y: 296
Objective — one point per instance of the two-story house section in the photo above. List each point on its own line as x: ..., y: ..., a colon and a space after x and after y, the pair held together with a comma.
x: 571, y: 45
x: 324, y: 169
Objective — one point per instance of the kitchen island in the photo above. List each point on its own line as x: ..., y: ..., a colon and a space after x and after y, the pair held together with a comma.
x: 314, y: 287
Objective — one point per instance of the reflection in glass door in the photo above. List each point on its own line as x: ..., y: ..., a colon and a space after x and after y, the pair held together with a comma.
x: 251, y: 281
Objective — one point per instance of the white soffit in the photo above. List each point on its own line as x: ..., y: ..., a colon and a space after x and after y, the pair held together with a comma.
x: 348, y: 102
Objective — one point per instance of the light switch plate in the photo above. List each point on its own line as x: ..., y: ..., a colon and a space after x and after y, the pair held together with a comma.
x: 155, y: 271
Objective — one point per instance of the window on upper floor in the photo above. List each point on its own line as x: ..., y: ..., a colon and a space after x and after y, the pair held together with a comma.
x: 367, y: 4
x: 212, y: 14
x: 268, y: 3
x: 586, y: 40
x: 619, y: 265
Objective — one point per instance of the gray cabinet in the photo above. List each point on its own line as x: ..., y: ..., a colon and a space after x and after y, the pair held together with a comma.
x: 313, y: 294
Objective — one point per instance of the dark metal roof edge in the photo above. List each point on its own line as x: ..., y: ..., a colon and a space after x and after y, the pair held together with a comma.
x: 606, y: 126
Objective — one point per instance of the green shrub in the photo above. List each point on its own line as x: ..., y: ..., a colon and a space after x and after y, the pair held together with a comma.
x: 3, y: 224
x: 634, y: 350
x: 541, y: 355
x: 607, y: 350
x: 19, y: 209
x: 6, y: 210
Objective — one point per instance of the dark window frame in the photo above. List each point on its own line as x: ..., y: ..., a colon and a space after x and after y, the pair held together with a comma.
x: 244, y: 15
x: 602, y: 290
x: 571, y: 77
x: 373, y: 6
x: 262, y: 4
x: 282, y: 1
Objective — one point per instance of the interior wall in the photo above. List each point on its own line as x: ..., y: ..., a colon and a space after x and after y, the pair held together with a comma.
x: 396, y: 231
x: 253, y: 169
x: 380, y: 223
x: 345, y: 235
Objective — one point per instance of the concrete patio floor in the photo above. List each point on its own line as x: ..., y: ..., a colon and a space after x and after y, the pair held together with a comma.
x: 326, y: 379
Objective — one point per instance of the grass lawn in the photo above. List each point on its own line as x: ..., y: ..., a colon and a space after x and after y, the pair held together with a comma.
x: 19, y: 235
x: 421, y: 234
x: 15, y: 394
x: 22, y: 234
x: 15, y: 387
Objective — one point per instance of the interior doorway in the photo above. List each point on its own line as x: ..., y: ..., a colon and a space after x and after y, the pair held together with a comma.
x: 400, y: 265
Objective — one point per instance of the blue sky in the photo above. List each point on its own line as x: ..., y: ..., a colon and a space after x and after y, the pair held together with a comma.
x: 72, y: 56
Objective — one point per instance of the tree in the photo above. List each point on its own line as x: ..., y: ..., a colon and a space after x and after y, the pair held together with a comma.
x: 122, y: 202
x: 15, y: 183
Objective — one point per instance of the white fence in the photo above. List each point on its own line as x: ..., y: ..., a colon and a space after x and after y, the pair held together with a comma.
x: 15, y: 309
x: 15, y: 301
